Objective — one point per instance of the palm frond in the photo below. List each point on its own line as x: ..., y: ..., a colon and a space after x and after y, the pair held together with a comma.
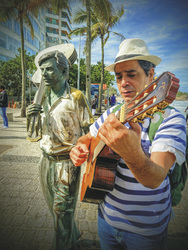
x: 103, y: 9
x: 59, y: 4
x: 115, y: 18
x: 80, y: 17
x: 120, y: 36
x: 28, y: 21
x: 78, y: 31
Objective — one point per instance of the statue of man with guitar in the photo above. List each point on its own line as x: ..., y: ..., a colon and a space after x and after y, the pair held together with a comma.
x: 58, y: 117
x: 134, y: 195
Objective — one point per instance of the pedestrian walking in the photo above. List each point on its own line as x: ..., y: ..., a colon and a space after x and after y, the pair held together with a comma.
x: 186, y: 113
x: 3, y: 106
x: 113, y: 100
x: 94, y: 104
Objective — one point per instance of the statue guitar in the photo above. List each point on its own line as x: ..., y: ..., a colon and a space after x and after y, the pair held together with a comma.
x: 100, y: 172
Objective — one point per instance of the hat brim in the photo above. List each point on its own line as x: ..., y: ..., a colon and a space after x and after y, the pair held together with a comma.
x: 67, y: 49
x: 150, y: 58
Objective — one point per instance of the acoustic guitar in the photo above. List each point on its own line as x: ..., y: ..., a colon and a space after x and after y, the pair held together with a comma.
x: 100, y: 172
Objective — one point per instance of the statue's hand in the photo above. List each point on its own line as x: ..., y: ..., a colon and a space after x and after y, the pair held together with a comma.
x: 34, y: 127
x: 33, y: 109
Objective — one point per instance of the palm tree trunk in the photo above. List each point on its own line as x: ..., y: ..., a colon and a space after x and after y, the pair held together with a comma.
x: 60, y: 41
x: 23, y: 106
x: 102, y: 75
x: 88, y: 53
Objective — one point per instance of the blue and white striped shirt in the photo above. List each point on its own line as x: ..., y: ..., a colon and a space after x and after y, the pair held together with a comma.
x: 131, y: 206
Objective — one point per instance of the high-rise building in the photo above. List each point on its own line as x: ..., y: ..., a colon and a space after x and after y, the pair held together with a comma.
x: 58, y: 26
x: 50, y: 28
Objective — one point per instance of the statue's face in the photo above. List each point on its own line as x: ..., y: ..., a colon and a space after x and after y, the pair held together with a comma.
x: 50, y: 72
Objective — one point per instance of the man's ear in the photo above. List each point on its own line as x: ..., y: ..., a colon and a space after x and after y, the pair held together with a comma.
x: 151, y: 74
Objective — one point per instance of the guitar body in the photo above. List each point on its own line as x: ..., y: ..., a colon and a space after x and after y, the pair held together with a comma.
x: 100, y: 174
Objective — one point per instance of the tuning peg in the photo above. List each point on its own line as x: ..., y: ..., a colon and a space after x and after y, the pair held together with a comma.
x: 149, y: 115
x: 145, y: 106
x: 166, y: 113
x: 155, y: 118
x: 145, y: 123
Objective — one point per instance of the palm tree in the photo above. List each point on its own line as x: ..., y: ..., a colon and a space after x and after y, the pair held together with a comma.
x: 87, y: 31
x: 103, y: 19
x: 88, y: 52
x: 20, y: 10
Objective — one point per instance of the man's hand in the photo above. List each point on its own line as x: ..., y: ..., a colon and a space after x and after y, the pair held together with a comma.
x: 125, y: 142
x: 79, y: 154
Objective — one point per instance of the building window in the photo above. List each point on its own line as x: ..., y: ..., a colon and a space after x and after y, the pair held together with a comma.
x: 42, y: 23
x: 42, y: 11
x: 2, y: 40
x: 30, y: 51
x: 4, y: 58
x: 36, y: 27
x: 17, y: 27
x: 47, y: 19
x: 64, y: 15
x: 13, y: 44
x: 8, y: 23
x: 54, y: 21
x: 50, y: 11
x: 29, y: 39
x: 42, y: 37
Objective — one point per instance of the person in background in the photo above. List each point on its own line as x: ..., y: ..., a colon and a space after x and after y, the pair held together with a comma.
x: 113, y: 100
x: 94, y: 104
x: 3, y: 106
x: 109, y: 100
x: 186, y: 113
x: 136, y: 213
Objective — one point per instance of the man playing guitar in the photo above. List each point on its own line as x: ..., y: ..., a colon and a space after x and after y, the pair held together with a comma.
x: 135, y: 214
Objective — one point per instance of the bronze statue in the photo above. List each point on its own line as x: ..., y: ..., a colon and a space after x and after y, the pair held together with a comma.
x: 65, y: 115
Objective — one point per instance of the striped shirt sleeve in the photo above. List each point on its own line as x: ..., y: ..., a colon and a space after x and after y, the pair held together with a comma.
x: 171, y: 136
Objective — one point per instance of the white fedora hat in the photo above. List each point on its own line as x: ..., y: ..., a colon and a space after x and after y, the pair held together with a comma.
x: 133, y: 49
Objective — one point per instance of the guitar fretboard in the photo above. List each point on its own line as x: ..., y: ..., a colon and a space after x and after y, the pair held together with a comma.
x: 98, y: 149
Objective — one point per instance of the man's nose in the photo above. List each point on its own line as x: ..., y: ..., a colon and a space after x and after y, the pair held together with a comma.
x: 124, y: 81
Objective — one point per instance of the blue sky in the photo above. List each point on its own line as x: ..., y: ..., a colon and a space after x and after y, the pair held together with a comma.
x: 162, y: 24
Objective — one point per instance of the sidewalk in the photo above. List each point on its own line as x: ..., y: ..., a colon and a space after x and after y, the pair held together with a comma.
x: 25, y: 221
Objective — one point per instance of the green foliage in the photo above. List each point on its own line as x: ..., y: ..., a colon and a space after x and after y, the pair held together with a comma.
x: 11, y: 73
x: 103, y: 18
x: 182, y: 95
x: 112, y: 91
x: 73, y: 75
x: 95, y: 75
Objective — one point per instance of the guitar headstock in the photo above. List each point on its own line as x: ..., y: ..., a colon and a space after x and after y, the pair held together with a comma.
x: 156, y: 96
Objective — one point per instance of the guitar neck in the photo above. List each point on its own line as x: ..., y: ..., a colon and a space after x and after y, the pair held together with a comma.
x: 98, y: 149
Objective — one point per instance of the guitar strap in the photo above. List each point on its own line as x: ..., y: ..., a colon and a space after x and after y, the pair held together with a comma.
x: 117, y: 107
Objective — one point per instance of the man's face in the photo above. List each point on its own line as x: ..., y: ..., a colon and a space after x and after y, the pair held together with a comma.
x: 131, y: 78
x: 50, y: 72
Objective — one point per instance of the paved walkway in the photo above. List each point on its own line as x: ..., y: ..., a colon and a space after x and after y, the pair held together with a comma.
x: 25, y: 221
